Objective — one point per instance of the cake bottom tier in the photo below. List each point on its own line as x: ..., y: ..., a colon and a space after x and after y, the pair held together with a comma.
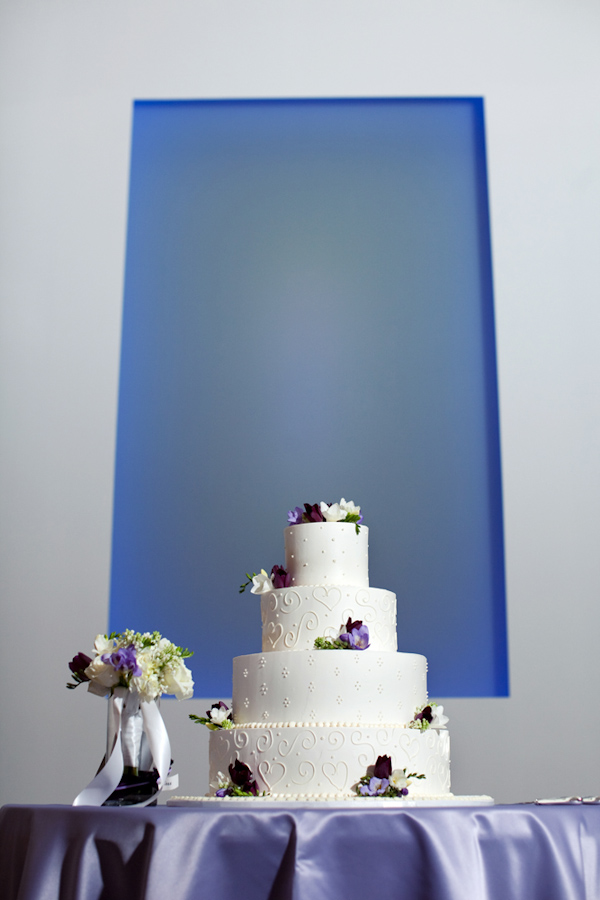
x: 326, y: 761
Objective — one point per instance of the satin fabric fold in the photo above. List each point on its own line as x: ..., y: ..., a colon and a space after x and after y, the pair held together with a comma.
x: 498, y: 853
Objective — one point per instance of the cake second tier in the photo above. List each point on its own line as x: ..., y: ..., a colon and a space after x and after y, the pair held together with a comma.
x: 332, y: 686
x: 293, y: 617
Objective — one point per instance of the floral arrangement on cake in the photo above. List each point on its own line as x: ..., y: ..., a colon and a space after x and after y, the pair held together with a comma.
x: 430, y: 715
x: 344, y: 511
x: 383, y: 781
x: 241, y: 782
x: 354, y: 637
x: 262, y: 582
x: 217, y: 717
x: 146, y: 663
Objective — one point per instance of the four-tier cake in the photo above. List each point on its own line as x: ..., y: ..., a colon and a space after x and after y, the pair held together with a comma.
x: 329, y: 709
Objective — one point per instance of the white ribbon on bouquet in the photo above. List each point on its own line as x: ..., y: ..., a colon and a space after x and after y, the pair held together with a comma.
x: 125, y: 730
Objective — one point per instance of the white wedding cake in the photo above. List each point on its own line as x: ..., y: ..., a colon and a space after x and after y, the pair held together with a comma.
x: 320, y: 721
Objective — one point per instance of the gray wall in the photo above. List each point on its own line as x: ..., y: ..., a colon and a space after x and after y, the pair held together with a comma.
x: 68, y: 74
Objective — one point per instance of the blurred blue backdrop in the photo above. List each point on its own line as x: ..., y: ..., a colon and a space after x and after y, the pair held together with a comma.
x: 308, y: 314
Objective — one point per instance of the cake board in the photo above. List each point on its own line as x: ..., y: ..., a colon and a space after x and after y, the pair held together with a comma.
x: 348, y: 803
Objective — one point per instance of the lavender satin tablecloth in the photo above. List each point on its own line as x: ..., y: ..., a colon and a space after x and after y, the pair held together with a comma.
x: 160, y: 853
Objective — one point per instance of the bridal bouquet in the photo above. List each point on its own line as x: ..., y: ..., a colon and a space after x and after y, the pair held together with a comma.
x: 133, y: 670
x: 146, y: 663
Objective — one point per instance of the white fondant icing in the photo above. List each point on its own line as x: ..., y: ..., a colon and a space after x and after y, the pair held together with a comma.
x: 328, y: 760
x: 328, y: 685
x: 293, y: 617
x: 323, y: 553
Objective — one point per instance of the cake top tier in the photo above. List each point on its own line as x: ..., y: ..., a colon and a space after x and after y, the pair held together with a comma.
x: 327, y: 553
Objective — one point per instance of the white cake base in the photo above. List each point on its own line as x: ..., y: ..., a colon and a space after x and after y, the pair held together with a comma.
x: 354, y: 803
x: 325, y: 761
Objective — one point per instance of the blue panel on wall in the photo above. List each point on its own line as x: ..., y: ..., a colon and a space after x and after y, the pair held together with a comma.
x: 308, y: 314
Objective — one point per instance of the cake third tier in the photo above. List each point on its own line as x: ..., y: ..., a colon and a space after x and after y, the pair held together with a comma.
x: 340, y: 687
x: 293, y: 617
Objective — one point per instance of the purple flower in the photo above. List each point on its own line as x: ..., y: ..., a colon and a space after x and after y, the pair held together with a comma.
x: 280, y: 577
x: 426, y: 715
x: 241, y: 776
x: 383, y: 767
x: 375, y: 787
x: 123, y: 660
x: 295, y: 516
x: 313, y: 513
x: 356, y: 635
x: 78, y: 665
x: 223, y: 792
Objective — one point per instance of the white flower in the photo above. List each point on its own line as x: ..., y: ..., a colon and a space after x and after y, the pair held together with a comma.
x: 218, y: 715
x: 439, y: 719
x: 349, y: 507
x: 333, y: 513
x: 102, y: 673
x: 178, y: 680
x: 103, y: 645
x: 220, y: 781
x: 148, y: 688
x: 261, y: 583
x: 398, y: 779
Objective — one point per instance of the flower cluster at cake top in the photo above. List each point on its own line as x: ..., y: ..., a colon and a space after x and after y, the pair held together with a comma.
x: 217, y: 717
x: 383, y: 781
x: 241, y: 782
x: 429, y: 715
x: 344, y: 511
x: 146, y: 663
x: 353, y: 636
x: 262, y: 582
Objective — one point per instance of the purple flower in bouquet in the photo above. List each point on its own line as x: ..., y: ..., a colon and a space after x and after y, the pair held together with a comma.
x: 123, y: 660
x: 280, y: 577
x: 383, y: 767
x: 295, y: 515
x: 78, y: 665
x: 313, y: 513
x: 356, y: 635
x: 241, y: 777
